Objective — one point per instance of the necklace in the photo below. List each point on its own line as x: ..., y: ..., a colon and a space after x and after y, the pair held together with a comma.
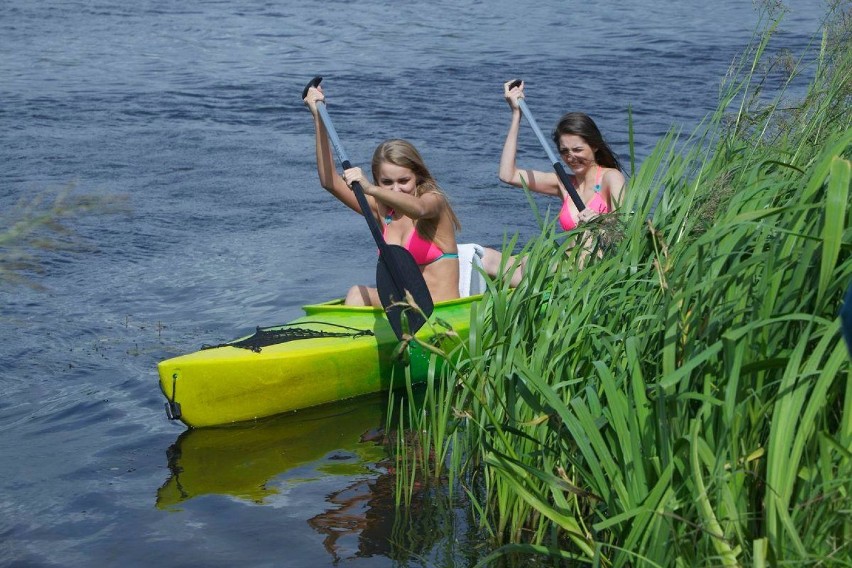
x: 597, y: 184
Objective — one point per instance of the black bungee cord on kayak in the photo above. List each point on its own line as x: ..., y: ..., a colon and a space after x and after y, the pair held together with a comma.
x: 265, y: 336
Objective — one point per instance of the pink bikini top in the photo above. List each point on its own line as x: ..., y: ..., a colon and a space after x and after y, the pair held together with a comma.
x: 423, y: 251
x: 596, y: 203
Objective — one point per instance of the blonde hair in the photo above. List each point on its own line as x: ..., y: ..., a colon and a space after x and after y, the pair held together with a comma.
x: 403, y: 154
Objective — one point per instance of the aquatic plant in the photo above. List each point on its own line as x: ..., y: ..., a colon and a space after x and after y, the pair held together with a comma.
x: 38, y: 224
x: 683, y: 399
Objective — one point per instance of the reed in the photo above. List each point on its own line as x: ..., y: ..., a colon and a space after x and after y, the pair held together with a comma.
x: 683, y: 398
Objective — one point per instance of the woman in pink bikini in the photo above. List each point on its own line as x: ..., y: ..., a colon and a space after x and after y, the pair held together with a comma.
x: 404, y: 197
x: 596, y: 175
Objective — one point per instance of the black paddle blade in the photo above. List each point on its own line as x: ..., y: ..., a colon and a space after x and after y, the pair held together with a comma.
x: 394, y: 276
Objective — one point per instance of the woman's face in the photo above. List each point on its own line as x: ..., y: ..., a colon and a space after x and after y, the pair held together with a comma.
x: 576, y: 152
x: 397, y: 178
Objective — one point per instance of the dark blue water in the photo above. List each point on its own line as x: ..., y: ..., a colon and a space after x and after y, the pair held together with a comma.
x: 191, y: 111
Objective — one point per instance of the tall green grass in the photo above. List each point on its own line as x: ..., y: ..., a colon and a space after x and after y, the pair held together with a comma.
x: 683, y: 400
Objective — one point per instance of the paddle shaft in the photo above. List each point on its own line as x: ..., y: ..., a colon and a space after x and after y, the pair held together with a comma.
x: 557, y: 163
x: 356, y: 187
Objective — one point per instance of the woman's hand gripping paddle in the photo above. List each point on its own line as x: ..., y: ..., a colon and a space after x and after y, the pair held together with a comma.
x: 557, y: 163
x: 396, y: 271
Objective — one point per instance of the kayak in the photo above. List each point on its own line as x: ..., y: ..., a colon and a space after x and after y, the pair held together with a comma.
x: 333, y: 352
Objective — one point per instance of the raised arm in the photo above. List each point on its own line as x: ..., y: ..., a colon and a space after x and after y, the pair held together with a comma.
x: 541, y: 182
x: 329, y: 178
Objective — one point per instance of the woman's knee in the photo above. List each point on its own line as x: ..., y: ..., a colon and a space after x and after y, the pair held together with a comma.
x: 362, y: 296
x: 491, y: 261
x: 357, y: 296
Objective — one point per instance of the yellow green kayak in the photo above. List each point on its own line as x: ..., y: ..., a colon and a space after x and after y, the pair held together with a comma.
x: 332, y: 353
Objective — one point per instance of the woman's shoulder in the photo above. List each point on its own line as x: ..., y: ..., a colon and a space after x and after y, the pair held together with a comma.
x: 612, y: 186
x: 612, y: 178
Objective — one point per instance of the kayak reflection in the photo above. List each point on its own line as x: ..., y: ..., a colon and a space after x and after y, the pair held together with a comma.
x: 240, y: 460
x: 345, y: 439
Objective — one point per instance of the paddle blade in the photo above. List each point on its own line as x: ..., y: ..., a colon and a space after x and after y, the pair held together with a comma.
x: 397, y: 273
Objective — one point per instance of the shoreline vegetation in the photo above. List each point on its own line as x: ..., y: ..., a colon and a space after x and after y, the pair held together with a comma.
x: 683, y: 400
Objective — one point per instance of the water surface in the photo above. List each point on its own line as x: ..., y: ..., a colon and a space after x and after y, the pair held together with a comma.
x: 192, y: 112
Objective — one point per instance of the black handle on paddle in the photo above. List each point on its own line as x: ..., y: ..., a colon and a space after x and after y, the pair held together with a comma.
x: 313, y: 83
x: 557, y: 163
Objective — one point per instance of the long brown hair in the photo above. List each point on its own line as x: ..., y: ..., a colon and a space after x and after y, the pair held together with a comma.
x: 581, y: 124
x: 402, y: 153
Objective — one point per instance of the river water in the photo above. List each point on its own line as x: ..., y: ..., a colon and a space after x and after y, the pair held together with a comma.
x: 191, y: 112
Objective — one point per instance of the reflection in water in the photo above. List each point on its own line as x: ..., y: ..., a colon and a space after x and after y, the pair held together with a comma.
x: 365, y: 522
x: 364, y: 510
x: 240, y: 460
x: 344, y: 440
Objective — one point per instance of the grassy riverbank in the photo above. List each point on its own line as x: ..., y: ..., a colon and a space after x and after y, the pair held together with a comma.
x: 683, y: 400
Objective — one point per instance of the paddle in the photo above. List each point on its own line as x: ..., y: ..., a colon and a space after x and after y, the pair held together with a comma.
x: 396, y: 271
x: 557, y: 163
